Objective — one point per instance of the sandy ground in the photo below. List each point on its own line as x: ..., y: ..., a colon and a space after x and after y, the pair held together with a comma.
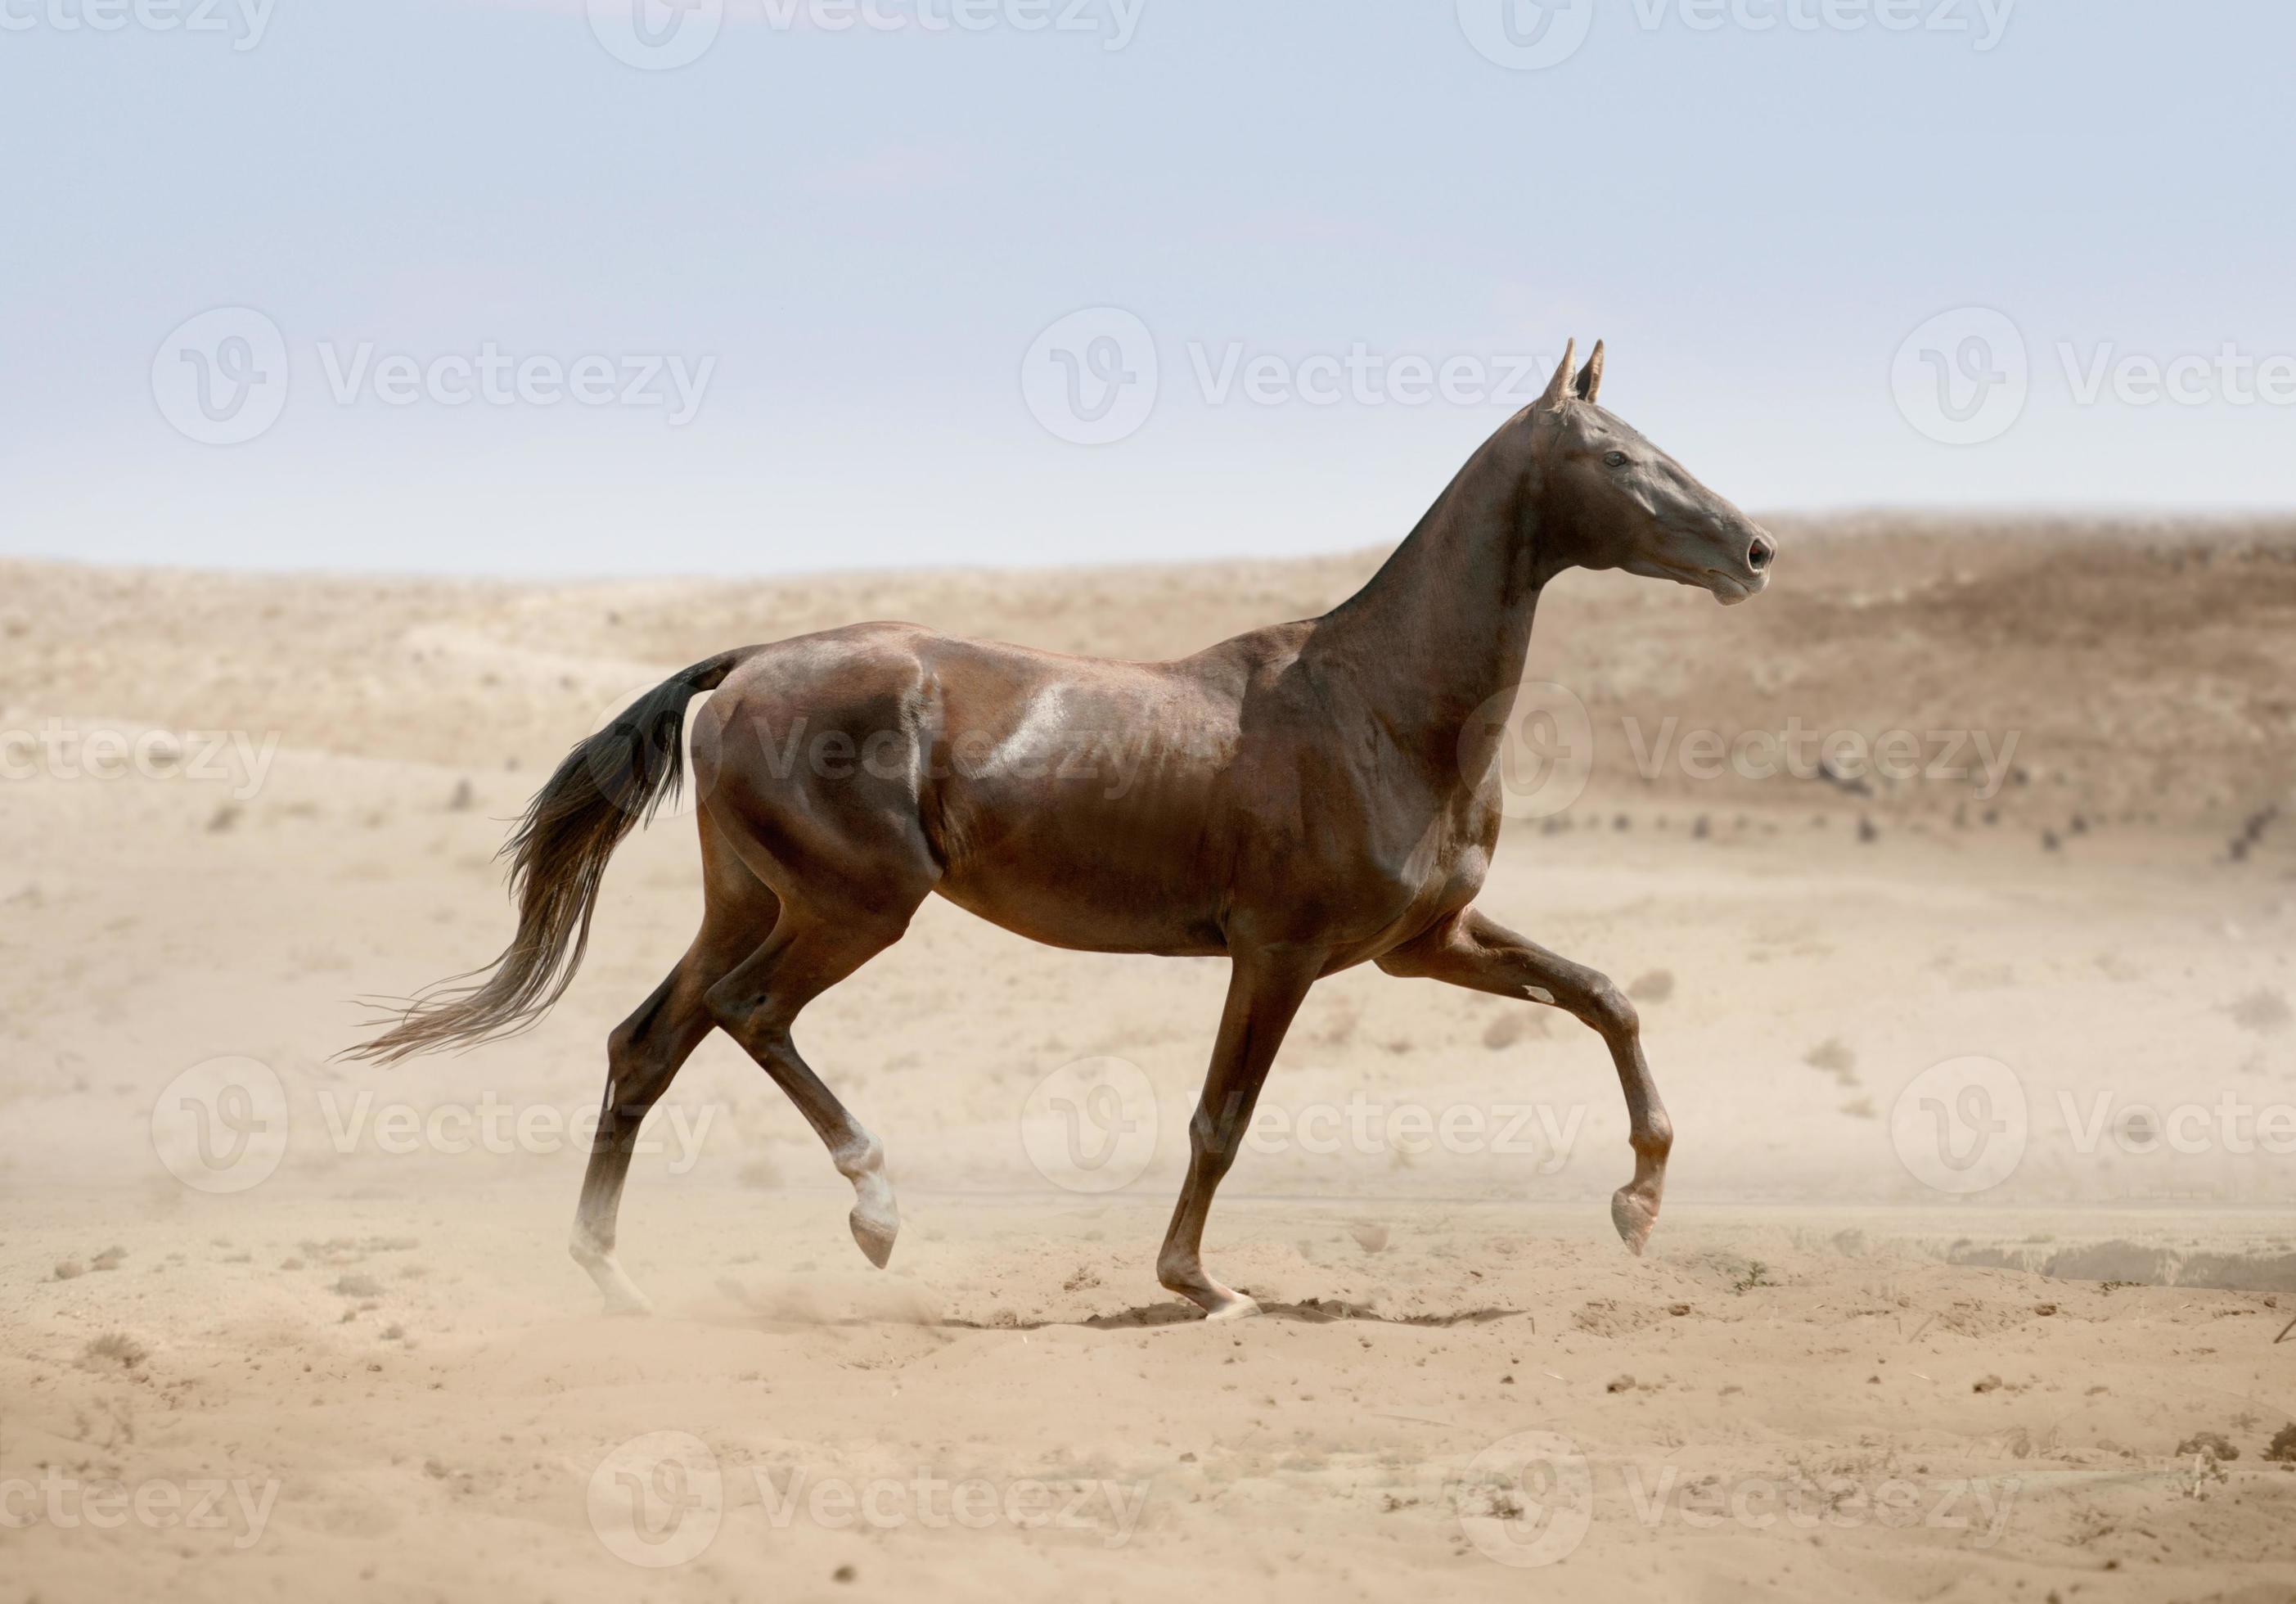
x: 1979, y: 1218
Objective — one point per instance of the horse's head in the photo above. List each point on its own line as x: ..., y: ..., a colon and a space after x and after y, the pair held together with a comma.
x: 1606, y: 498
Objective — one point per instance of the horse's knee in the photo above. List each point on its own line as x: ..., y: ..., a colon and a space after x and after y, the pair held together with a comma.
x: 1212, y: 1143
x: 636, y: 1076
x: 1609, y: 1010
x: 729, y: 1007
x: 622, y: 1048
x: 748, y: 1015
x: 1203, y: 1133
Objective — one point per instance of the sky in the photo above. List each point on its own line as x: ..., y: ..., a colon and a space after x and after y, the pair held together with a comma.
x: 573, y: 287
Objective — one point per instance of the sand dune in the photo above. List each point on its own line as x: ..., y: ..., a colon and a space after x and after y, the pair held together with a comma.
x: 1842, y: 1371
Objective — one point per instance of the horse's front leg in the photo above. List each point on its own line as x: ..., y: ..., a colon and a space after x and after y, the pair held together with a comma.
x: 1469, y: 950
x: 1265, y: 990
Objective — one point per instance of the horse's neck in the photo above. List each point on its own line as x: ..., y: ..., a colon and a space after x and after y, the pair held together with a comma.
x: 1445, y: 625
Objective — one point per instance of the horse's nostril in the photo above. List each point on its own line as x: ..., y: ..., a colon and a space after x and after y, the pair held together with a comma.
x: 1758, y: 555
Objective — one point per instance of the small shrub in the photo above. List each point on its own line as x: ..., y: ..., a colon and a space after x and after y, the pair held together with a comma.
x: 1758, y: 1274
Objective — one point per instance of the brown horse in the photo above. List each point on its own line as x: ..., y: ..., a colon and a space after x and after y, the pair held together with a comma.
x: 1301, y: 799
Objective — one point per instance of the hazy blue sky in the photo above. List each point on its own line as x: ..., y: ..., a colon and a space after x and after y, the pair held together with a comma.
x: 850, y: 238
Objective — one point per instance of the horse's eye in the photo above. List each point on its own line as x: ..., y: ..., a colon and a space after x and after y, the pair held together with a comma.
x: 1617, y: 459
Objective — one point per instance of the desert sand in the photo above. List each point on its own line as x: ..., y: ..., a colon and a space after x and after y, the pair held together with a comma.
x: 341, y: 1352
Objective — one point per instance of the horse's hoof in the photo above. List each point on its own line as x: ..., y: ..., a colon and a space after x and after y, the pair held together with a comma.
x: 875, y: 1236
x: 623, y: 1300
x: 876, y: 1218
x: 1236, y: 1307
x: 1186, y: 1277
x: 1634, y: 1215
x: 620, y: 1294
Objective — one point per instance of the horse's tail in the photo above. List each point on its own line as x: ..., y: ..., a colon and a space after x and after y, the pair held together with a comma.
x: 558, y: 856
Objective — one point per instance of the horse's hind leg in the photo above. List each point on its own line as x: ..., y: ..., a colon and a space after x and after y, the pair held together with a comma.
x: 646, y: 1051
x: 808, y: 952
x: 642, y: 1056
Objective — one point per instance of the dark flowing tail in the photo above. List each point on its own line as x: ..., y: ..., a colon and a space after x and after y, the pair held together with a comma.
x: 558, y: 855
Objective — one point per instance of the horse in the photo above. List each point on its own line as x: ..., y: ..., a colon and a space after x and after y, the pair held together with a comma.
x: 1302, y: 799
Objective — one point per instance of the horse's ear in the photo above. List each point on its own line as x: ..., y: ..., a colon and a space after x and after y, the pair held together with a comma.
x: 1559, y: 386
x: 1590, y: 378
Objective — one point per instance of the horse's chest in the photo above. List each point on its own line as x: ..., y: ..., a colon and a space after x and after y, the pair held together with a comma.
x: 1418, y: 870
